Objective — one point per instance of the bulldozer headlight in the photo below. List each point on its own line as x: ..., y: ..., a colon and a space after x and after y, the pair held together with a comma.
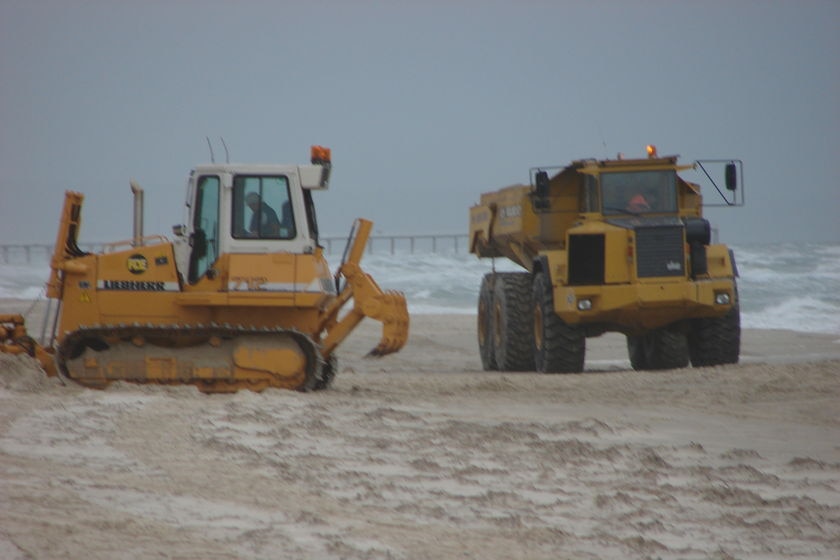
x: 722, y: 298
x: 584, y: 304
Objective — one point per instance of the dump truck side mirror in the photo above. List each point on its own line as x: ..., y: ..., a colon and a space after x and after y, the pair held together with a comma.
x: 542, y: 184
x: 540, y: 199
x: 732, y: 168
x: 731, y: 176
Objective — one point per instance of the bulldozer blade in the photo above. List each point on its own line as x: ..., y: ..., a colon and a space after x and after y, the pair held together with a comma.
x: 394, y: 312
x: 14, y: 339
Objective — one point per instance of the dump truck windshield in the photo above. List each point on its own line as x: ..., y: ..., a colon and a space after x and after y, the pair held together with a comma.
x: 639, y: 192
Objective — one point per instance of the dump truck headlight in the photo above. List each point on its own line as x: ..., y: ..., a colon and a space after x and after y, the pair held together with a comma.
x: 722, y: 298
x: 584, y: 304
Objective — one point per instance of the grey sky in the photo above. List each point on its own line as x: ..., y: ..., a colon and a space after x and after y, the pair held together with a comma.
x: 424, y: 104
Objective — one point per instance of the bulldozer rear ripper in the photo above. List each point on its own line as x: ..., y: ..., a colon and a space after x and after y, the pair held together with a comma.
x: 606, y: 245
x: 243, y: 298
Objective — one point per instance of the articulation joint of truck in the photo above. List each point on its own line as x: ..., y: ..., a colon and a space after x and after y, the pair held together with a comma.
x: 607, y: 245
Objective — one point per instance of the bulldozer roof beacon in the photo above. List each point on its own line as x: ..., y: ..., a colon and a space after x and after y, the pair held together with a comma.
x: 615, y: 245
x: 242, y: 298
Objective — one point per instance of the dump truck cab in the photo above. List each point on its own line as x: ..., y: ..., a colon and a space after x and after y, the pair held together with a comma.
x: 608, y: 245
x: 638, y: 224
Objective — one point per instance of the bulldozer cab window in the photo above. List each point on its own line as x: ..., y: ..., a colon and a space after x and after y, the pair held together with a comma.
x: 262, y: 208
x: 205, y: 246
x: 639, y: 192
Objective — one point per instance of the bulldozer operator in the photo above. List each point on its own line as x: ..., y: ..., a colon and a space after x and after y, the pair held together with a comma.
x: 263, y: 217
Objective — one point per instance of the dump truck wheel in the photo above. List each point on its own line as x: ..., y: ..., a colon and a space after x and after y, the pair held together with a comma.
x: 716, y: 341
x: 558, y: 347
x: 512, y: 322
x: 665, y: 348
x: 668, y: 349
x: 485, y: 323
x: 636, y: 351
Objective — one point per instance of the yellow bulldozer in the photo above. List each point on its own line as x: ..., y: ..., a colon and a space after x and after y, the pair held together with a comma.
x: 615, y: 245
x: 242, y: 298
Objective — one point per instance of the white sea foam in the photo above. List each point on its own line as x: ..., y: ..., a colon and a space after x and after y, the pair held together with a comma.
x: 803, y: 314
x: 789, y: 286
x: 20, y: 281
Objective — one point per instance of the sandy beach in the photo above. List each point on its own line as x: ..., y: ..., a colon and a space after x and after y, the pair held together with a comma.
x: 421, y: 455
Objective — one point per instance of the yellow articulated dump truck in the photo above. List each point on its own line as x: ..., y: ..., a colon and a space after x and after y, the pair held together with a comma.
x: 607, y: 246
x: 243, y: 298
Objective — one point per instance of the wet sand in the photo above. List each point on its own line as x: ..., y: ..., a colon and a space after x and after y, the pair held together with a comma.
x: 422, y: 455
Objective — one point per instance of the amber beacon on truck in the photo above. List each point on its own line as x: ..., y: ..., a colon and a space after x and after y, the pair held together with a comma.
x: 614, y: 245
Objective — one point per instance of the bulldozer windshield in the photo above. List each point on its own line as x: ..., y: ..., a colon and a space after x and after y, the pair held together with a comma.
x: 262, y: 208
x: 639, y: 192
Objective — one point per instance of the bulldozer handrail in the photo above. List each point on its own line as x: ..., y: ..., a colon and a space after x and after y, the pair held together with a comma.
x: 113, y: 246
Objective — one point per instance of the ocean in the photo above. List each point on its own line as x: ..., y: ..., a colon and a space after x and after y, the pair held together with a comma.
x: 785, y: 286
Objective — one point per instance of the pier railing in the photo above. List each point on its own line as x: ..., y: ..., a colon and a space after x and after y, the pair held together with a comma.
x: 38, y: 253
x: 28, y: 253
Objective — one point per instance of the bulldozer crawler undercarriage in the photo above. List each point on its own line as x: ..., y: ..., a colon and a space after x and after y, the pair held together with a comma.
x: 214, y: 358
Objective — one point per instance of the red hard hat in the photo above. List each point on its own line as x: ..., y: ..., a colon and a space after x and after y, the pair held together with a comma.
x: 638, y: 202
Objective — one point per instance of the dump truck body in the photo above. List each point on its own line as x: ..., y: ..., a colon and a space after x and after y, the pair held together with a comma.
x: 610, y: 245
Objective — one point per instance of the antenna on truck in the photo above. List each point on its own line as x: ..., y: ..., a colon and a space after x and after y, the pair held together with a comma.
x: 603, y: 141
x: 209, y: 145
x: 227, y: 154
x: 212, y: 155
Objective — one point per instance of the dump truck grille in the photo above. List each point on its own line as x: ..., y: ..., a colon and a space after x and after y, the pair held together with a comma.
x: 660, y: 251
x: 586, y: 260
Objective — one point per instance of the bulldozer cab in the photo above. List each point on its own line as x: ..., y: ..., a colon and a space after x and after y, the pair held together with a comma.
x: 237, y: 209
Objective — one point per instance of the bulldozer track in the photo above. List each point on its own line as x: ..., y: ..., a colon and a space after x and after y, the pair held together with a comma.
x: 108, y: 338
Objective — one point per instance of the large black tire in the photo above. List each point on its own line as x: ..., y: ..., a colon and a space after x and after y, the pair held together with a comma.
x: 558, y: 347
x: 512, y: 322
x: 665, y: 348
x: 716, y: 341
x: 636, y: 351
x: 485, y: 323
